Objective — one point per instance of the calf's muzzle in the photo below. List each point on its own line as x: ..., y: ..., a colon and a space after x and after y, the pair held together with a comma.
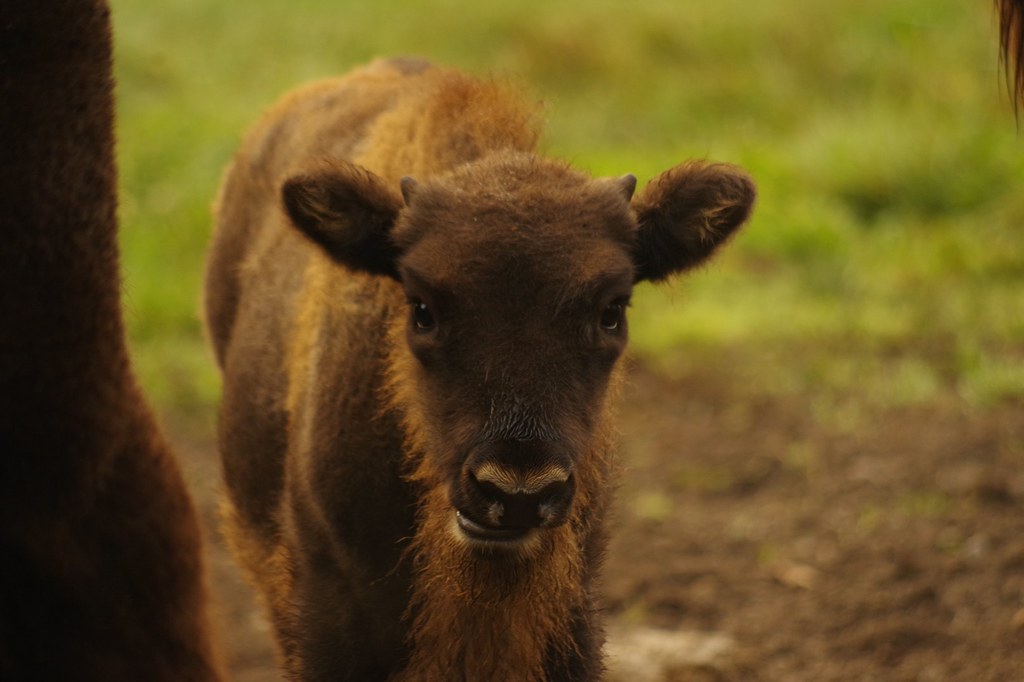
x: 514, y: 485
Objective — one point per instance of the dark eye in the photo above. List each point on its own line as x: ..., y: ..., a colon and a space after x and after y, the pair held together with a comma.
x: 422, y: 318
x: 613, y: 316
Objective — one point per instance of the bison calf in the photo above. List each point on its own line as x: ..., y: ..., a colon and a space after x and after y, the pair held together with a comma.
x: 419, y: 322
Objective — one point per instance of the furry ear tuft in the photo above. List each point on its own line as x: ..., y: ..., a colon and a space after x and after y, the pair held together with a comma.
x: 686, y: 213
x: 349, y: 212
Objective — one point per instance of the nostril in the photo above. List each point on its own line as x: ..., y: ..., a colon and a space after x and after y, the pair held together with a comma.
x: 554, y: 500
x: 553, y: 490
x: 489, y: 490
x: 491, y: 498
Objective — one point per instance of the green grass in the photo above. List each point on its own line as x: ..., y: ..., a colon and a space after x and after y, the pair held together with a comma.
x: 886, y: 255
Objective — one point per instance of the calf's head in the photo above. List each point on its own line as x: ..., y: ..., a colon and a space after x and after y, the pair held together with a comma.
x: 517, y: 273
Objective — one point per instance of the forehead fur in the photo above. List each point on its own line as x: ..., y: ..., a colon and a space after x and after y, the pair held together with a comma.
x: 519, y: 216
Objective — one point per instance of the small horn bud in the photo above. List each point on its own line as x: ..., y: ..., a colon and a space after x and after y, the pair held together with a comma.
x: 628, y: 185
x: 408, y: 185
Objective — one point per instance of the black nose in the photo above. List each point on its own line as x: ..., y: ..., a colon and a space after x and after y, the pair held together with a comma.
x: 523, y: 499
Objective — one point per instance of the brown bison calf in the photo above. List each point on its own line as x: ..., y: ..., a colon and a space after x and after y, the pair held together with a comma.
x: 419, y: 322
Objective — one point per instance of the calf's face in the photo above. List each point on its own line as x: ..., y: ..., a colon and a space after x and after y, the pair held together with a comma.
x: 517, y: 273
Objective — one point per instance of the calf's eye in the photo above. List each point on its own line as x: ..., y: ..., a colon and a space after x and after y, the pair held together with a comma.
x: 422, y: 318
x: 612, y: 316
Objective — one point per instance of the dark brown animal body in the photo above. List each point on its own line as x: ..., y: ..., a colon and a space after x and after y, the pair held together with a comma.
x: 419, y: 374
x: 100, y: 577
x: 1011, y: 44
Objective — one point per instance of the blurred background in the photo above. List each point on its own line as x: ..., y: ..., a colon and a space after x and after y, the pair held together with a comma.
x: 888, y: 234
x: 824, y: 437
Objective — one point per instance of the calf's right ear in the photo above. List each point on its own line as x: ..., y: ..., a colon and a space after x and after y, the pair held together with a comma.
x: 349, y: 212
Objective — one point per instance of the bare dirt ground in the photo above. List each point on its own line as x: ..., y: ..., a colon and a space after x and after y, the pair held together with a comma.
x: 796, y: 543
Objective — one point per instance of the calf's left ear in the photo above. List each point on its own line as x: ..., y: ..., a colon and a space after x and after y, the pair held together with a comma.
x: 686, y: 213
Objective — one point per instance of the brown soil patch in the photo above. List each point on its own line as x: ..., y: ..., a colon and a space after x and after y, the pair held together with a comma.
x: 858, y: 544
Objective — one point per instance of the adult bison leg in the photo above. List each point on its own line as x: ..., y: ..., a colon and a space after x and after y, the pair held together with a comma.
x: 99, y: 544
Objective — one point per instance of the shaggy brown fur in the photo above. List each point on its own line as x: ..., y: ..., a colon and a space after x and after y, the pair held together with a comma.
x: 101, y: 578
x: 1011, y: 43
x: 420, y: 374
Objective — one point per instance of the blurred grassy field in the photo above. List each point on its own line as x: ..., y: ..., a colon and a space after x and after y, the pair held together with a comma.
x: 885, y: 260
